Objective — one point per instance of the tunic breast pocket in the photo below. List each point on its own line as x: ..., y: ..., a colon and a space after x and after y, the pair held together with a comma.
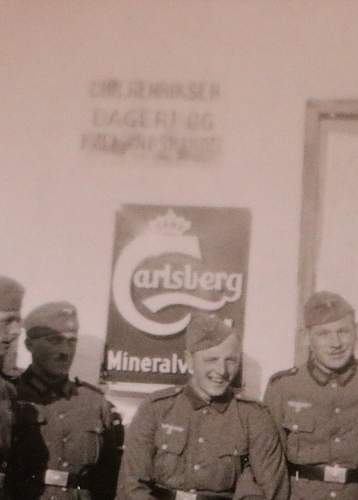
x: 230, y: 464
x: 300, y: 427
x: 170, y: 442
x: 224, y: 464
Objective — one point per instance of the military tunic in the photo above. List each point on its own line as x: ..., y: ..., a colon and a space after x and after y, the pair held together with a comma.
x: 7, y: 397
x: 178, y: 440
x: 69, y: 429
x: 317, y: 415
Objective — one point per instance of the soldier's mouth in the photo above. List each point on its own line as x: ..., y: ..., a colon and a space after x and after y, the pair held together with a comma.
x: 217, y: 381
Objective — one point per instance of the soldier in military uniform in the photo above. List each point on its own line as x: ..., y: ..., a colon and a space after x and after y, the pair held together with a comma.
x: 66, y: 437
x: 202, y: 441
x: 316, y: 405
x: 11, y: 295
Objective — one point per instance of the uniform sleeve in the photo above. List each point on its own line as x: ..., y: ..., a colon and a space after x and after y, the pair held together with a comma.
x: 247, y: 488
x: 104, y: 479
x: 7, y: 396
x: 266, y: 455
x: 273, y: 401
x: 136, y: 470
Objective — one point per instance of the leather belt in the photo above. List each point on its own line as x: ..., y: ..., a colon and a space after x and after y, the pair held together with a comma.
x: 162, y: 493
x: 327, y: 473
x: 53, y: 477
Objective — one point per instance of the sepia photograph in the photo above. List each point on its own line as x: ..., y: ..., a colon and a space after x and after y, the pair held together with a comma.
x: 179, y: 253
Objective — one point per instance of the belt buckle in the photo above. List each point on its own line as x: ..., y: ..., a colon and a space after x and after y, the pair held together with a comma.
x: 335, y: 474
x: 185, y: 495
x: 56, y: 477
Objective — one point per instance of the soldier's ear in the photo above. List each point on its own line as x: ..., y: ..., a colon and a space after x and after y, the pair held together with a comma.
x: 189, y: 361
x: 29, y: 343
x: 306, y: 337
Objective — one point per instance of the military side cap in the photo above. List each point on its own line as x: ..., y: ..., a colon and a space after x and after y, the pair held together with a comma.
x: 52, y: 317
x: 325, y: 307
x: 11, y: 294
x: 205, y: 331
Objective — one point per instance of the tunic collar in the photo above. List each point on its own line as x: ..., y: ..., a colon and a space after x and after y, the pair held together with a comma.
x: 220, y: 403
x: 342, y: 376
x: 43, y: 387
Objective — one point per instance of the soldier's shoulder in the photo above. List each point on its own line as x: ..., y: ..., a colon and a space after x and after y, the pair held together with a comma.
x: 167, y: 393
x: 91, y: 388
x: 284, y: 374
x: 248, y: 401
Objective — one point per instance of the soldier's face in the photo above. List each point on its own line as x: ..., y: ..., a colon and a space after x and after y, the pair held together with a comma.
x: 214, y: 369
x: 52, y: 355
x: 10, y: 328
x: 332, y: 344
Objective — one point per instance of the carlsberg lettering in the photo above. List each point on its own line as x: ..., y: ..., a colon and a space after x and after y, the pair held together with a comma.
x: 174, y: 279
x: 182, y: 284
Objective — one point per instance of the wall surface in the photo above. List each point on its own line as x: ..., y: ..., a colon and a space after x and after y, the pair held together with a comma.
x: 58, y: 200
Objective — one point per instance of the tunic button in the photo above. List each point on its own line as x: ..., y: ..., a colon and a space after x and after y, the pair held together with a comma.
x: 200, y: 440
x: 61, y: 416
x: 337, y: 410
x: 65, y: 439
x: 334, y: 385
x: 333, y: 494
x: 164, y: 446
x: 196, y: 467
x: 65, y: 464
x: 295, y: 427
x: 205, y: 411
x: 337, y: 440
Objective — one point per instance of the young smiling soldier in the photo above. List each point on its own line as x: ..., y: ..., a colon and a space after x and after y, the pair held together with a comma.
x: 316, y: 405
x: 201, y: 441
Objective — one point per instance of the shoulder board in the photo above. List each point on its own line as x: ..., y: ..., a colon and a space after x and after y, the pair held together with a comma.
x: 244, y: 399
x: 82, y: 383
x: 169, y: 392
x: 283, y: 373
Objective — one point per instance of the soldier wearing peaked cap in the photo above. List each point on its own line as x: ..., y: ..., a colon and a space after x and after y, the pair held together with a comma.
x: 202, y: 441
x: 11, y: 295
x: 316, y: 405
x: 66, y: 435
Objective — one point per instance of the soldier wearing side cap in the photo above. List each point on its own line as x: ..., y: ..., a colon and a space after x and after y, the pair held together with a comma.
x: 11, y: 295
x: 66, y: 436
x: 202, y: 441
x: 316, y: 405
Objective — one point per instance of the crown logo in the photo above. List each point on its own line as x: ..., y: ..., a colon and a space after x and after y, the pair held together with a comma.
x: 169, y: 224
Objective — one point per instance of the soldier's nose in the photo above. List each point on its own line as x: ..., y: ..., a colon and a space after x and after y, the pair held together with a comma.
x: 335, y: 339
x: 221, y: 367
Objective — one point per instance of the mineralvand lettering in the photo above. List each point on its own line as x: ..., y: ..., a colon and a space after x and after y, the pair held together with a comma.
x: 122, y: 361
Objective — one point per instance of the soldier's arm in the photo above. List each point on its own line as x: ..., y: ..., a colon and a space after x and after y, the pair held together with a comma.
x: 273, y: 401
x: 266, y: 455
x: 105, y: 475
x: 136, y: 471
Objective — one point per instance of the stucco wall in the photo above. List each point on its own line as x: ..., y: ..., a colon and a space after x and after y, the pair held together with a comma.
x: 57, y: 202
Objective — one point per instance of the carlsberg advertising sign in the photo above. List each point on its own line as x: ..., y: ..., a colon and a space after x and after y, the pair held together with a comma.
x: 167, y: 263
